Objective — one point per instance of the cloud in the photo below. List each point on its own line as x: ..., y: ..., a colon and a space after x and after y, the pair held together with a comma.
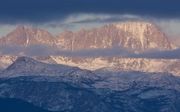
x: 101, y: 18
x: 5, y: 29
x: 42, y: 50
x: 40, y: 11
x: 33, y: 50
x: 169, y: 54
x: 87, y: 21
x: 171, y: 26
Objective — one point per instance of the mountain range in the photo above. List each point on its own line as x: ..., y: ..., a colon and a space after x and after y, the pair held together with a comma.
x: 117, y: 46
x: 119, y: 67
x: 134, y: 36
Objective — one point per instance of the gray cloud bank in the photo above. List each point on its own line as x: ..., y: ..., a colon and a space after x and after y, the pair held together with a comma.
x: 40, y: 50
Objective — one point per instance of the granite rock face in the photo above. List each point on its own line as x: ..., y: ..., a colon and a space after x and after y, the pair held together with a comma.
x: 136, y: 36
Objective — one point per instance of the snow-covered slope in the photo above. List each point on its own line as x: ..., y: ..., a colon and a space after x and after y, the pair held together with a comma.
x: 25, y: 66
x: 108, y: 63
x: 122, y: 64
x: 114, y: 91
x: 64, y: 88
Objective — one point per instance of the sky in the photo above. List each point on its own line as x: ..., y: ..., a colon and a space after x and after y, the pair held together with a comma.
x: 59, y: 15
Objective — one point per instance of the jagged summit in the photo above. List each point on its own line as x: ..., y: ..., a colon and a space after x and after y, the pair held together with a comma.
x: 136, y: 36
x: 27, y: 36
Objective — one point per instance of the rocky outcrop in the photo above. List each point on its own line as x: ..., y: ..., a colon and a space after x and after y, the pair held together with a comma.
x: 27, y: 36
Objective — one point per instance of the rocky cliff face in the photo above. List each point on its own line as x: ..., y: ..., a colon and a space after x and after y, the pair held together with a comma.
x: 147, y: 35
x: 134, y: 36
